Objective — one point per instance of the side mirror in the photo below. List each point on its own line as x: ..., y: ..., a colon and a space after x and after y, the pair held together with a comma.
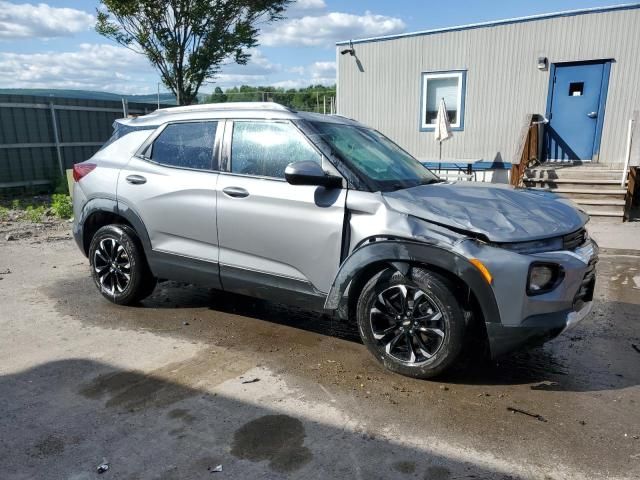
x: 310, y: 173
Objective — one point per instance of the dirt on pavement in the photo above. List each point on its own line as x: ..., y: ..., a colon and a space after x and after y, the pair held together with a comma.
x: 192, y: 378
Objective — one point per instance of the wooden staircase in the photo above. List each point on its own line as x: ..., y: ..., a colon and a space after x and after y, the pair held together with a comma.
x: 596, y: 188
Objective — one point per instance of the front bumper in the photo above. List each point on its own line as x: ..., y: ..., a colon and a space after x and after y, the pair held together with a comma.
x: 530, y: 320
x: 536, y: 331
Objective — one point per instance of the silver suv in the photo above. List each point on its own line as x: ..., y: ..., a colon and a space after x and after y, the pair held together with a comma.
x: 322, y: 212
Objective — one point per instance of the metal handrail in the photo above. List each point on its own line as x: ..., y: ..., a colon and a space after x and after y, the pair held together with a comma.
x: 627, y: 157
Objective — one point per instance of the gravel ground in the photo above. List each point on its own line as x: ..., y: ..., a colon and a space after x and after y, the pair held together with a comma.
x: 192, y: 379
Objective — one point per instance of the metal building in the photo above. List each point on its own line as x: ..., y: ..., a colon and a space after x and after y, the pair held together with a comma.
x: 580, y: 69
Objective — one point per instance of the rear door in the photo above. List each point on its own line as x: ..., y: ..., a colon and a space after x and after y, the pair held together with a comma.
x: 172, y: 188
x: 272, y: 233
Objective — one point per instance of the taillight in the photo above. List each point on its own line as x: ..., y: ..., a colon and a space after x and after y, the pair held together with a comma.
x: 81, y: 169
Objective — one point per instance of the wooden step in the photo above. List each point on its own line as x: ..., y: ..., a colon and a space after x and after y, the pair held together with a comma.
x: 605, y: 213
x: 582, y: 174
x: 577, y: 181
x: 600, y: 201
x: 596, y: 206
x: 587, y: 193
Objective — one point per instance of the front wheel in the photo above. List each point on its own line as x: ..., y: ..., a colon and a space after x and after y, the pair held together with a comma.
x: 412, y: 324
x: 118, y: 265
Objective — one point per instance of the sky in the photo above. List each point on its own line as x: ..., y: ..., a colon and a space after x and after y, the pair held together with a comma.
x: 54, y: 44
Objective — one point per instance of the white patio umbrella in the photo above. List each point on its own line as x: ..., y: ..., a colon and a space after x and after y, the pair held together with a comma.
x: 443, y: 127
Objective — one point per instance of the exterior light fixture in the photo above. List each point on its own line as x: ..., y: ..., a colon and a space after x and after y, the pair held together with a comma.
x: 543, y: 63
x: 349, y: 50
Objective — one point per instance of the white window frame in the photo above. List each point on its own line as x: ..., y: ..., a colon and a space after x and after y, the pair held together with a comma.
x: 426, y: 76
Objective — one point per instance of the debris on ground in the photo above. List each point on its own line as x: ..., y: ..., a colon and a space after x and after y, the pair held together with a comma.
x: 6, y: 272
x: 635, y: 347
x: 215, y: 469
x: 185, y: 323
x: 529, y: 414
x: 10, y: 238
x: 102, y: 468
x: 444, y: 387
x: 254, y: 380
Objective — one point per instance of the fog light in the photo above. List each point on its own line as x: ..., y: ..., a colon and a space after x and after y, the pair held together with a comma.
x: 543, y: 277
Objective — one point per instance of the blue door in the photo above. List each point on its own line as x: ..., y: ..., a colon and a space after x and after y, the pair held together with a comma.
x: 577, y: 97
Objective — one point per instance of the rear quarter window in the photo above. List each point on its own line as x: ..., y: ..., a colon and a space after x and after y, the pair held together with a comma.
x: 120, y: 130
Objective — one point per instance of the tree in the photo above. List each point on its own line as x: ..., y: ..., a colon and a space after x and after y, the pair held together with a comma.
x: 187, y: 41
x: 218, y: 96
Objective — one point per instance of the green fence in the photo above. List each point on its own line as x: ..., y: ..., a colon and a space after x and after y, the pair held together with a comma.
x: 40, y: 137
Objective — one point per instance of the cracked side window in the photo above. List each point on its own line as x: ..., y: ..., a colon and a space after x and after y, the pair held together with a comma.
x: 186, y: 145
x: 265, y: 149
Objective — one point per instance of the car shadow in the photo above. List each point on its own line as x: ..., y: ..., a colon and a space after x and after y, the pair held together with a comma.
x: 579, y: 360
x: 63, y: 419
x: 597, y: 355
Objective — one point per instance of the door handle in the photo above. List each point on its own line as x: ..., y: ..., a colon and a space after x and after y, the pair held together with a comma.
x: 592, y: 114
x: 136, y: 179
x: 235, y: 192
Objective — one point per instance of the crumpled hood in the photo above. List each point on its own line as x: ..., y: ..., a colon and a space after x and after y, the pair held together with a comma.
x: 500, y: 212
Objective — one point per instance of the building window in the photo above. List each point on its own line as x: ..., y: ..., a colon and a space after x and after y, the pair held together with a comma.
x: 439, y: 85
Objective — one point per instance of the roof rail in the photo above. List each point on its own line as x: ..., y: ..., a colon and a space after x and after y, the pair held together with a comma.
x: 226, y: 106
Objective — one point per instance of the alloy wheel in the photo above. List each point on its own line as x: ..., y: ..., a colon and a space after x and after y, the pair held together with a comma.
x: 408, y: 324
x: 112, y: 266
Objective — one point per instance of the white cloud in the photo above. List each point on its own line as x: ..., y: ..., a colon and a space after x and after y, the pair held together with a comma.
x: 318, y: 73
x: 258, y: 65
x: 255, y: 72
x: 26, y: 20
x: 326, y: 30
x: 110, y: 68
x: 300, y: 8
x: 323, y: 69
x: 309, y: 4
x: 93, y: 67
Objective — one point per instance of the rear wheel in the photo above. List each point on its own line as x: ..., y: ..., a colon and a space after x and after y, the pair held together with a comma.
x: 412, y: 324
x: 118, y: 265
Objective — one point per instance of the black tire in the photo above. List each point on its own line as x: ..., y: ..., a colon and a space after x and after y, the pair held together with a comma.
x: 118, y: 265
x: 432, y: 329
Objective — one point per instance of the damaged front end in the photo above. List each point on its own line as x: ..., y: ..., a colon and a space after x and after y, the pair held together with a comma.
x: 528, y: 285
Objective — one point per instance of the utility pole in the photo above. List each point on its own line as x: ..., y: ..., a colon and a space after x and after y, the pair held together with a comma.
x: 158, y: 95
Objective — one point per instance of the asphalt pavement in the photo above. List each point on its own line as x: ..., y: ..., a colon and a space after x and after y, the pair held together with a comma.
x: 193, y: 381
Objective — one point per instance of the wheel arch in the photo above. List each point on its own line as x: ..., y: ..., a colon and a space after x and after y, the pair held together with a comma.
x: 402, y: 255
x: 99, y: 212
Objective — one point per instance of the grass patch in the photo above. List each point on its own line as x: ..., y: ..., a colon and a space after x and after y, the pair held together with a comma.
x: 4, y: 214
x: 35, y: 214
x: 61, y: 205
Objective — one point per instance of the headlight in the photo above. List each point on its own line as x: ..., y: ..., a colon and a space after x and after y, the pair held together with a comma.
x: 543, y: 277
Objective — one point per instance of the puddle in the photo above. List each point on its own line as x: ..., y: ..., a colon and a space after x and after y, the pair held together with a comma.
x: 277, y: 439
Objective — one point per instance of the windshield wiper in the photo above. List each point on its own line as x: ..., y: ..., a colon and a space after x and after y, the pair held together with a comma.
x: 432, y: 181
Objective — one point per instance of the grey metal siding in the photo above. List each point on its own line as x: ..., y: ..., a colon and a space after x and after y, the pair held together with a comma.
x: 503, y: 82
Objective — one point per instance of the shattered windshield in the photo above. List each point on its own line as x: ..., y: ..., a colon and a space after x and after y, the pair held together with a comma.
x: 382, y: 163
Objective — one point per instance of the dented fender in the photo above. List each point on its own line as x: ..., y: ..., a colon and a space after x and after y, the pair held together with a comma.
x: 396, y: 252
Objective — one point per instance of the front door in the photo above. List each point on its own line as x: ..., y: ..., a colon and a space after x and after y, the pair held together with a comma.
x: 577, y: 98
x: 271, y: 233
